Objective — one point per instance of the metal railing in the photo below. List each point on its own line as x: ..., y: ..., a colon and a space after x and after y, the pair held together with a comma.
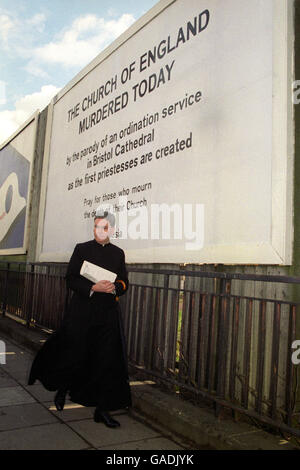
x: 225, y: 337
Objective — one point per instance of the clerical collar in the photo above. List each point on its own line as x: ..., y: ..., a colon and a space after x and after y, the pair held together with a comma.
x: 102, y: 244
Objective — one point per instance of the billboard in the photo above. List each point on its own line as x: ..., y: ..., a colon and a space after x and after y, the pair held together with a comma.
x: 16, y: 156
x: 182, y: 128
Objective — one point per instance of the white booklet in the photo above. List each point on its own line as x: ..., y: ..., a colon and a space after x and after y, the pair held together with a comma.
x: 95, y: 273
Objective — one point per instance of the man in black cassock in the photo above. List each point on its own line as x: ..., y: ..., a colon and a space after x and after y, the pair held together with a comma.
x: 86, y: 356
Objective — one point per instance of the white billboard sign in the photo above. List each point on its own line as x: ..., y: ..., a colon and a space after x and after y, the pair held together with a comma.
x: 182, y: 127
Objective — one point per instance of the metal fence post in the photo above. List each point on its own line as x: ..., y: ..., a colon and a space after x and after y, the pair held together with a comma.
x: 4, y: 305
x: 222, y: 340
x: 29, y: 295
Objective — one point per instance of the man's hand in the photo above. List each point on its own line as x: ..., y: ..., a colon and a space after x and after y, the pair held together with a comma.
x: 104, y: 286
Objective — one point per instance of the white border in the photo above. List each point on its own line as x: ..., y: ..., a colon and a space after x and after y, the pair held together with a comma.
x: 44, y: 180
x: 283, y: 131
x: 280, y: 249
x: 32, y: 118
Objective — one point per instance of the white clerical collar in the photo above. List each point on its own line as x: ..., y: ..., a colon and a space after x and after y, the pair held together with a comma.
x: 102, y: 244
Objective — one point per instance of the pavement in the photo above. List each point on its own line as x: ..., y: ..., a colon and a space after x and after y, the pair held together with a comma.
x: 29, y: 419
x: 157, y: 421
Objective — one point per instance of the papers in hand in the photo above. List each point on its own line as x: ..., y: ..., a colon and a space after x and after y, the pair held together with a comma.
x: 95, y: 273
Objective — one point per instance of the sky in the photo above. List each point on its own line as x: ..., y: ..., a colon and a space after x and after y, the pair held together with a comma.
x: 43, y: 45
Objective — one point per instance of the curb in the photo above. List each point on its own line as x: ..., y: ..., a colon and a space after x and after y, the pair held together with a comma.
x: 195, y: 425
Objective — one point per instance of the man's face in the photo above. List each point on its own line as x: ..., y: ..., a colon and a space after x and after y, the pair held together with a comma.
x: 102, y: 230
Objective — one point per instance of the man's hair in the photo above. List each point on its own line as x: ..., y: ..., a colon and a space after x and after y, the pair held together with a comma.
x: 108, y: 216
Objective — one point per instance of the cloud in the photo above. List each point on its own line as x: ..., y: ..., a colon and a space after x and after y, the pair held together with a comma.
x: 34, y: 69
x: 37, y: 21
x: 10, y: 121
x: 7, y: 25
x: 18, y: 35
x: 112, y: 12
x: 2, y: 92
x: 83, y: 41
x: 72, y: 48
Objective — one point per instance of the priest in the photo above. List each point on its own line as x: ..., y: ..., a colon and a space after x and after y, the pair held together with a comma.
x: 86, y: 356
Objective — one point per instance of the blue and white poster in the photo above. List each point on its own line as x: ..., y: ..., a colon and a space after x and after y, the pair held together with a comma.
x: 15, y: 171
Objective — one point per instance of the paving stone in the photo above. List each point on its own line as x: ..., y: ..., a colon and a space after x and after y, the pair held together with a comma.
x: 13, y: 354
x: 71, y: 412
x: 14, y: 396
x: 157, y: 443
x: 6, y: 380
x: 257, y: 441
x: 22, y: 416
x: 100, y: 435
x: 17, y: 357
x: 18, y: 363
x: 45, y: 437
x: 40, y: 393
x: 75, y: 412
x: 19, y: 370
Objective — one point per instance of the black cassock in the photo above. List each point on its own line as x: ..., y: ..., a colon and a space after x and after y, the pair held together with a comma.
x: 87, y: 353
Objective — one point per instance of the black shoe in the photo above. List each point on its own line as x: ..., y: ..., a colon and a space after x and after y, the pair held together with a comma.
x: 60, y: 399
x: 104, y: 417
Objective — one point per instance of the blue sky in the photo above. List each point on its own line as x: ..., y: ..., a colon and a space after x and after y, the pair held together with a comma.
x: 44, y: 44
